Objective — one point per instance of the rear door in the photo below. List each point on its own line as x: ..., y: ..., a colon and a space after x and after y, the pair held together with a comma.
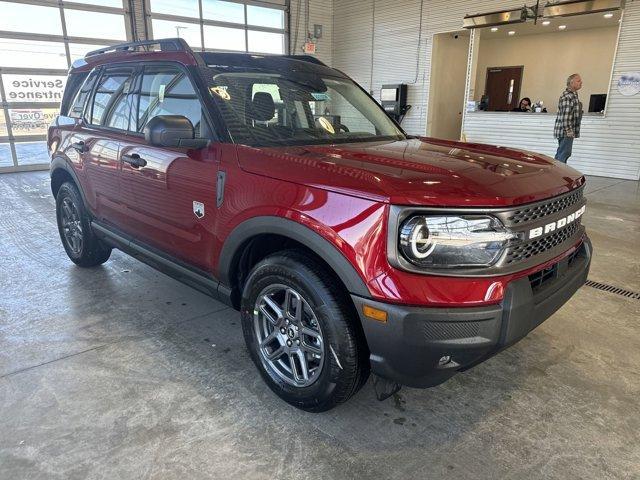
x: 98, y: 140
x: 170, y: 193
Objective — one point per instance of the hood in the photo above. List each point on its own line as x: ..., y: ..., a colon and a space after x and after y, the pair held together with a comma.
x: 418, y: 171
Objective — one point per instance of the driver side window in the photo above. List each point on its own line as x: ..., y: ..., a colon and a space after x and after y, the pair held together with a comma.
x: 167, y: 90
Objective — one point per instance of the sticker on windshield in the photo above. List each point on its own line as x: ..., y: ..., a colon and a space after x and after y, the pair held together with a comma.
x: 221, y: 92
x: 161, y: 93
x: 326, y: 124
x: 320, y: 96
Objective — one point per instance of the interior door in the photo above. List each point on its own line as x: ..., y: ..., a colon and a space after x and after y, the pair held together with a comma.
x: 170, y: 193
x: 503, y: 88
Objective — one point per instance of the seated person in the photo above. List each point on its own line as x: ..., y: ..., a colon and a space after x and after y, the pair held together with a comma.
x: 524, y: 106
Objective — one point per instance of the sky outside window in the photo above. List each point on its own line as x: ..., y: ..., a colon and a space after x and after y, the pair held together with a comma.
x: 40, y: 19
x: 81, y: 23
x: 32, y: 54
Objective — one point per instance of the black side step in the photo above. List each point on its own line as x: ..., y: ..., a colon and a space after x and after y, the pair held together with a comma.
x: 198, y: 279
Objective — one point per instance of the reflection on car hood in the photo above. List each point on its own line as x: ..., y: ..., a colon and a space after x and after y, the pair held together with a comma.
x: 421, y: 171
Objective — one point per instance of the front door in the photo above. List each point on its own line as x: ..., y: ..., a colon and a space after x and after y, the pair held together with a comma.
x: 170, y: 193
x: 503, y: 88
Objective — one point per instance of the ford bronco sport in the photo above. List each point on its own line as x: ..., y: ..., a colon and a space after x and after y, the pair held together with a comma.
x: 278, y: 186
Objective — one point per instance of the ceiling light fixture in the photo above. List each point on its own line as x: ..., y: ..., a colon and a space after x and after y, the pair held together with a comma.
x: 494, y: 29
x: 546, y: 22
x: 562, y: 27
x: 608, y: 15
x: 512, y: 32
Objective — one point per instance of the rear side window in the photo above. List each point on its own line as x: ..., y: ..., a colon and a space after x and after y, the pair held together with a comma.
x: 74, y: 80
x: 112, y: 100
x: 80, y: 100
x: 167, y: 90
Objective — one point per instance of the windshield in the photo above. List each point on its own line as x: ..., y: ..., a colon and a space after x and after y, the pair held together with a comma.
x: 263, y: 108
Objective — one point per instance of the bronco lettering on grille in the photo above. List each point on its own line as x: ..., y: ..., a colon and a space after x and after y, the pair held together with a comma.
x: 550, y: 227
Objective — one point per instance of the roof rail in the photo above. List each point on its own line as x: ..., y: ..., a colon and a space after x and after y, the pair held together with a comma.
x: 166, y: 45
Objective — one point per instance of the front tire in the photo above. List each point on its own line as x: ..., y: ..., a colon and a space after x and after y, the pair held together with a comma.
x: 301, y: 332
x: 74, y: 225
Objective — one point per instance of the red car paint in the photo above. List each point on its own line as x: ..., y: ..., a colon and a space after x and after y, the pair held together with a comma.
x: 342, y: 192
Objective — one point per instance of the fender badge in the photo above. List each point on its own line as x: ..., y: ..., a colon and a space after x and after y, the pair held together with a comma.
x: 198, y: 209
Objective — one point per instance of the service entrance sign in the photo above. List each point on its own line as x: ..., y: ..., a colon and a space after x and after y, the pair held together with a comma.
x: 33, y: 88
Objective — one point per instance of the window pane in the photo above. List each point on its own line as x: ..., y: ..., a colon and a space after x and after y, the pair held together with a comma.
x: 265, y: 17
x: 120, y: 113
x: 223, y: 11
x: 182, y: 8
x: 81, y: 23
x: 104, y: 3
x: 6, y: 160
x: 19, y: 17
x: 168, y: 92
x: 265, y: 42
x: 77, y: 108
x: 31, y: 153
x: 340, y: 111
x: 34, y: 88
x: 3, y: 125
x: 31, y: 121
x: 170, y: 29
x: 221, y: 38
x: 112, y: 86
x: 31, y: 53
x: 79, y: 50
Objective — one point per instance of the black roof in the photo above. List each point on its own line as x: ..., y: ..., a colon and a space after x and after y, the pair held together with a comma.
x: 249, y: 61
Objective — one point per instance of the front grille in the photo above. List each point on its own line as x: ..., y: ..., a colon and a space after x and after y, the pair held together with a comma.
x: 536, y: 212
x: 573, y: 256
x: 536, y: 280
x: 518, y: 253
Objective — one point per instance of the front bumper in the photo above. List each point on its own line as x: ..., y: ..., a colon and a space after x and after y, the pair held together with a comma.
x: 407, y: 348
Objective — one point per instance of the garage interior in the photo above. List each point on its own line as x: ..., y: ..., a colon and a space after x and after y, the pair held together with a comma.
x: 122, y: 372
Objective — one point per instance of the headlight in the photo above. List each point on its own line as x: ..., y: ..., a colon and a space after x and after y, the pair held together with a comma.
x: 452, y: 241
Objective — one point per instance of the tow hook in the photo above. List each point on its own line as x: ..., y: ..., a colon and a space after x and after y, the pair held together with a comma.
x: 384, y: 388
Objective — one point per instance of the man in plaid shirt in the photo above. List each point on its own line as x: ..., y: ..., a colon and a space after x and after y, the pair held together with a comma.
x: 569, y: 116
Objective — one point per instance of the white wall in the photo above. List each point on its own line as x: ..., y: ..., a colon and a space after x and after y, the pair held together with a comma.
x: 320, y: 12
x: 394, y: 26
x: 393, y: 58
x: 448, y: 77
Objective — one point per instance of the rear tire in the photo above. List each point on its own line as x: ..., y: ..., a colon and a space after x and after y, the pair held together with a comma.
x: 74, y: 225
x: 294, y: 311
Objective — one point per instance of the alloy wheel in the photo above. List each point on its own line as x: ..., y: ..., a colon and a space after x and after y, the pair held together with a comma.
x: 71, y: 226
x: 289, y: 335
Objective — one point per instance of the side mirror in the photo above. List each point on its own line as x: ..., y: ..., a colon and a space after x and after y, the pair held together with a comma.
x: 172, y: 131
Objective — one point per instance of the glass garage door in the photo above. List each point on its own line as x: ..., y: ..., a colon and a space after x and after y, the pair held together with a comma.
x: 232, y: 26
x: 39, y: 39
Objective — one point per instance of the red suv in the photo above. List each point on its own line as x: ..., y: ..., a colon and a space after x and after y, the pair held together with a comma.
x: 278, y: 186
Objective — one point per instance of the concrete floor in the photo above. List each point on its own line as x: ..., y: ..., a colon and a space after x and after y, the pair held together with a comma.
x: 122, y: 372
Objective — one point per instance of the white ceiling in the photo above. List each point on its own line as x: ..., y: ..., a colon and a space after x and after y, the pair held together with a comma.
x: 578, y: 22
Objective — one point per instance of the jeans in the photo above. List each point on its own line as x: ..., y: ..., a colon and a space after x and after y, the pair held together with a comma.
x: 564, y: 149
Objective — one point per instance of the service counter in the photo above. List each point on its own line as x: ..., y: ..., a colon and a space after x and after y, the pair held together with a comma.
x: 602, y: 145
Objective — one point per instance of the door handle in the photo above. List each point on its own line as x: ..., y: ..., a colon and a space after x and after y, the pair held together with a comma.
x: 135, y: 160
x: 79, y: 146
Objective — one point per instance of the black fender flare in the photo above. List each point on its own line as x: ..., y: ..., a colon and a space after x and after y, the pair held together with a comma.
x: 295, y: 231
x: 60, y: 163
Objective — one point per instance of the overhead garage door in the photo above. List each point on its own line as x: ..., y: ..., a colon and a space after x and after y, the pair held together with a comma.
x: 234, y: 26
x: 39, y: 39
